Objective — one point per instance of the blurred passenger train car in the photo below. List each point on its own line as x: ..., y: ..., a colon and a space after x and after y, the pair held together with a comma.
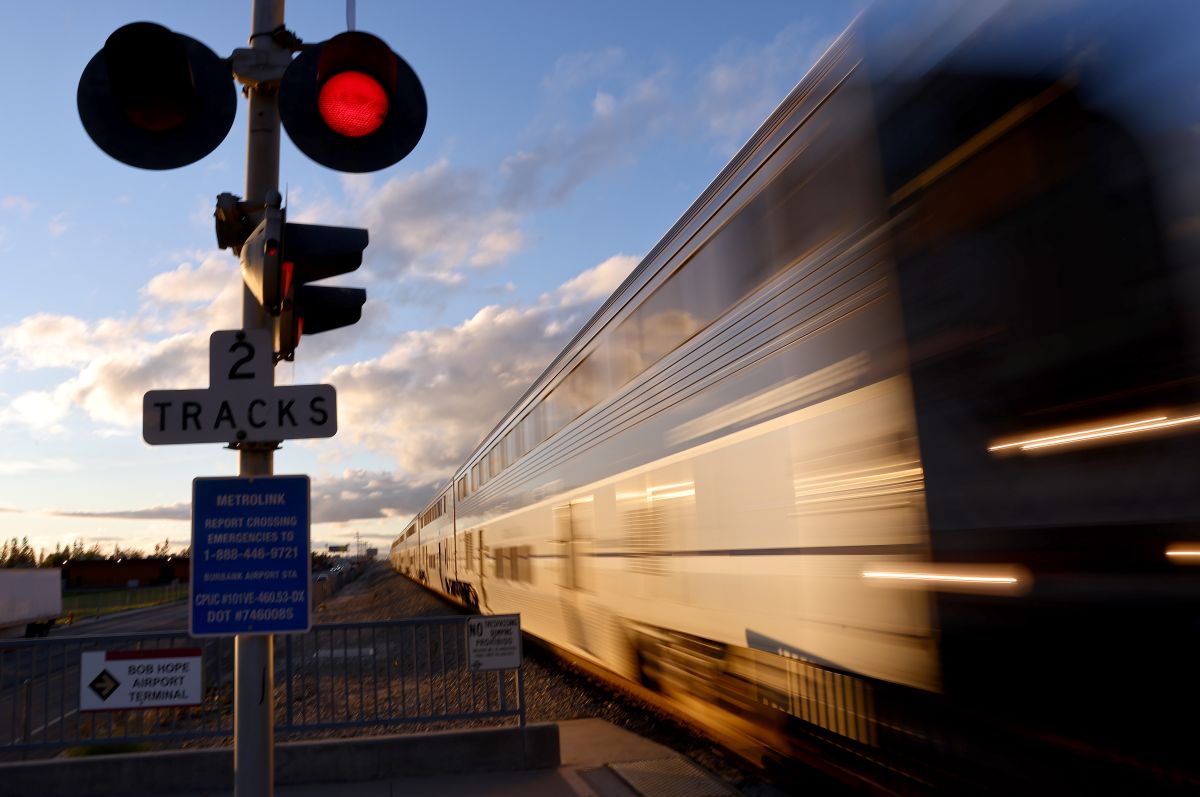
x: 890, y: 445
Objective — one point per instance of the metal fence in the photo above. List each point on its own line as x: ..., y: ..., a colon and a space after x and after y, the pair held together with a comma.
x: 94, y: 603
x: 347, y: 676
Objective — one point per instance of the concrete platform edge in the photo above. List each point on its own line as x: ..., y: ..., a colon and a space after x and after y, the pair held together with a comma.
x: 326, y: 761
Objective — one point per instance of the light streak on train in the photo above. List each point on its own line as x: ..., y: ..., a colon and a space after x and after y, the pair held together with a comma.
x: 1099, y: 433
x: 1009, y: 579
x: 1186, y: 553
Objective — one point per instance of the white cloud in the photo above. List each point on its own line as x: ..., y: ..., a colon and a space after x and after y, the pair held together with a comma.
x: 498, y: 246
x: 162, y: 512
x: 597, y: 282
x: 349, y: 496
x: 361, y: 494
x: 432, y: 224
x: 57, y: 225
x: 429, y: 399
x: 194, y: 283
x: 603, y: 104
x: 556, y: 161
x: 432, y: 396
x: 358, y: 185
x: 21, y: 204
x: 573, y: 69
x: 110, y: 388
x: 40, y: 410
x: 16, y: 467
x: 116, y: 360
x: 747, y: 80
x: 46, y: 341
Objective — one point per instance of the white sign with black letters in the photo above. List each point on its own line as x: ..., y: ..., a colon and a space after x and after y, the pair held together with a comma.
x: 114, y: 679
x: 494, y: 643
x: 242, y: 403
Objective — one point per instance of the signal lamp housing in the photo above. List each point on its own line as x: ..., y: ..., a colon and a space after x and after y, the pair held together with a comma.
x: 352, y: 104
x: 156, y: 99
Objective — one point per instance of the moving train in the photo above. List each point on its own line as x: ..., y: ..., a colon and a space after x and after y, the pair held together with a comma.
x: 890, y: 445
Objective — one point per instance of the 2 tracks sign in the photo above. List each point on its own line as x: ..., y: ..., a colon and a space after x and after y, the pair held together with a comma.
x: 242, y: 403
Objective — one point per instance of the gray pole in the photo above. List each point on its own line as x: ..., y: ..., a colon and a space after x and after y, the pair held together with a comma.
x: 254, y: 680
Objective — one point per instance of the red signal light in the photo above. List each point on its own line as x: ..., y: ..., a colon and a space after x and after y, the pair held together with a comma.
x: 353, y: 104
x: 285, y: 277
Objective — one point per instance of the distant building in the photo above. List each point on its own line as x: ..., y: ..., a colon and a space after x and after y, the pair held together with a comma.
x: 130, y: 572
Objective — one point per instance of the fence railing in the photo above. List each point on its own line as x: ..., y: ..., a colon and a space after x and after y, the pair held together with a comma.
x: 94, y: 603
x: 356, y: 675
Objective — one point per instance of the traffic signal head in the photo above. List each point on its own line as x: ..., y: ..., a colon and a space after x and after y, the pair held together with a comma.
x: 156, y: 99
x: 313, y: 309
x: 352, y: 104
x: 311, y: 252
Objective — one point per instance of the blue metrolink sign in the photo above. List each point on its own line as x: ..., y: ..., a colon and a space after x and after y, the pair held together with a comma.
x: 251, y: 567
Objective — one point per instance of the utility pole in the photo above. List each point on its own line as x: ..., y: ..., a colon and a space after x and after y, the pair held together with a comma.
x: 254, y: 682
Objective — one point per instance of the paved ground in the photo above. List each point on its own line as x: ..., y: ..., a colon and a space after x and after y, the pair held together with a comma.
x: 598, y: 760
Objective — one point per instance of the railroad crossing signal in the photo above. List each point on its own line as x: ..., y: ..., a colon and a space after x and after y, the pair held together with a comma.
x: 352, y: 104
x: 156, y: 99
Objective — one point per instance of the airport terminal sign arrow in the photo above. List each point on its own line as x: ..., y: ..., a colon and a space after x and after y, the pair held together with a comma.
x: 104, y: 684
x: 242, y: 403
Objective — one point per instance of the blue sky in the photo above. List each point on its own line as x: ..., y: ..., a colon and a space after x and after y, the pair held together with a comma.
x: 563, y: 140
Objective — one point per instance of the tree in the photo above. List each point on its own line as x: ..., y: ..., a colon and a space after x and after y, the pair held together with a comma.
x: 56, y: 558
x: 120, y: 553
x: 162, y: 549
x: 83, y: 554
x: 18, y: 554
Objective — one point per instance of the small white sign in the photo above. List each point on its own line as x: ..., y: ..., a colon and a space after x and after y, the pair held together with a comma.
x: 494, y: 643
x: 242, y: 403
x: 117, y: 679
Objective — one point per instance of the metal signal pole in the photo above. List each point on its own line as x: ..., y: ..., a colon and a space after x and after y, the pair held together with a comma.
x: 254, y: 681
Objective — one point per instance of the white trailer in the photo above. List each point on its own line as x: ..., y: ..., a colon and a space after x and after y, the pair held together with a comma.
x: 30, y: 600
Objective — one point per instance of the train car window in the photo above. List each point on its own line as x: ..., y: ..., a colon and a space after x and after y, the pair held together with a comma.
x: 528, y: 436
x: 537, y: 425
x: 524, y: 570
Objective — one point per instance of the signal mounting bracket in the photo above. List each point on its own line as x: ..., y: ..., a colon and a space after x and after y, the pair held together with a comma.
x: 262, y: 68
